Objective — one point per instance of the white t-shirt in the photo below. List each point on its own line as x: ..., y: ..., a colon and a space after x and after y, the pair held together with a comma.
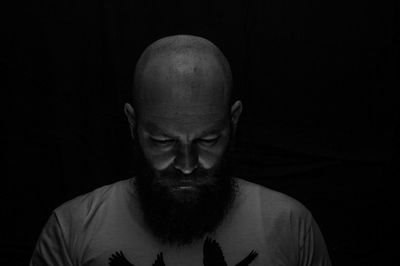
x: 104, y: 227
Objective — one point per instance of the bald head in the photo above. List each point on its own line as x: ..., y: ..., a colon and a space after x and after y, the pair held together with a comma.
x: 183, y: 125
x: 183, y: 71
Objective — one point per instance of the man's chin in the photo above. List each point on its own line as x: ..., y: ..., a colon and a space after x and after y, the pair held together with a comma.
x: 185, y: 194
x: 188, y: 182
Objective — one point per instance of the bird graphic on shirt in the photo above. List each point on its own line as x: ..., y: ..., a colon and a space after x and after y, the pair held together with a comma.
x: 159, y: 261
x: 118, y: 259
x: 212, y: 256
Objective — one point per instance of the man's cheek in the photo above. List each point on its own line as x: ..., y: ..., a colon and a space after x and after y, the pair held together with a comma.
x: 159, y: 161
x: 208, y: 159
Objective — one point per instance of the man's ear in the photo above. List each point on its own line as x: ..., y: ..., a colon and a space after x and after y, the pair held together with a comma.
x: 236, y: 111
x: 130, y: 114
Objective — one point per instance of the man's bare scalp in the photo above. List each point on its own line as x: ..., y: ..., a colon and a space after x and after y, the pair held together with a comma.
x: 182, y: 71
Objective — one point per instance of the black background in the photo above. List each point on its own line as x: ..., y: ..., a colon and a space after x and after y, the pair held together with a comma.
x: 317, y: 80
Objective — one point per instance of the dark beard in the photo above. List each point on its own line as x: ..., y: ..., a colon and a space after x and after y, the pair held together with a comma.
x: 185, y: 218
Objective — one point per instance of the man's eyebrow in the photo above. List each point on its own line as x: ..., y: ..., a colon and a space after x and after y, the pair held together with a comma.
x: 154, y: 129
x: 211, y: 131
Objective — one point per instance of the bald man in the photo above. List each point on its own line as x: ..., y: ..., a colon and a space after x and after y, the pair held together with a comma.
x: 183, y: 207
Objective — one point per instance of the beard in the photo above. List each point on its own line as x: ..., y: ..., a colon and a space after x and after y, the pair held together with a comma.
x: 184, y: 216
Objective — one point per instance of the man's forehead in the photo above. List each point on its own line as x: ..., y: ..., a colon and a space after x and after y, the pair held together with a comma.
x: 184, y: 125
x: 189, y: 120
x: 169, y: 110
x: 175, y: 100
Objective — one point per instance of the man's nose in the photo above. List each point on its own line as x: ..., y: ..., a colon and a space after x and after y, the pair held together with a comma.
x: 187, y: 159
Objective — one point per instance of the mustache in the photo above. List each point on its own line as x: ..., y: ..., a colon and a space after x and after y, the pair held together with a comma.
x: 200, y: 175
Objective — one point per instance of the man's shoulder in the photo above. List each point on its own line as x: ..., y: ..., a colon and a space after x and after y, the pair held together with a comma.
x: 86, y: 204
x: 272, y: 202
